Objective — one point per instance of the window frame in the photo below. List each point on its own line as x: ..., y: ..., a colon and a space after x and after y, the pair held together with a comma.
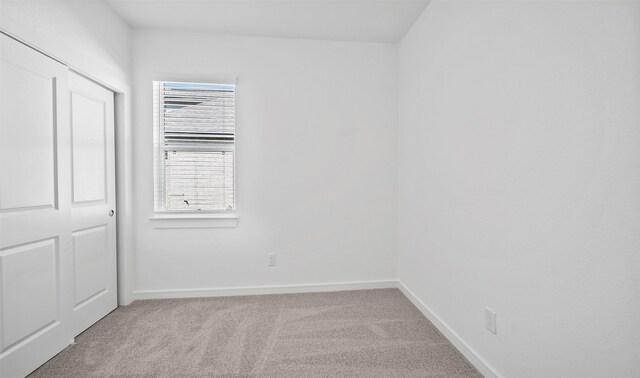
x: 163, y: 218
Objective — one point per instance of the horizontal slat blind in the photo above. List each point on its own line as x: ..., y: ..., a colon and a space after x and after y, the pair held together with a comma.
x: 195, y: 143
x: 199, y: 180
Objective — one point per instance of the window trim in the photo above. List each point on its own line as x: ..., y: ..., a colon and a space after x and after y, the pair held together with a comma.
x: 189, y: 220
x: 195, y: 218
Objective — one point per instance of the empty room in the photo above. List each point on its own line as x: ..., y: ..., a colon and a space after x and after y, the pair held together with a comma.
x: 319, y: 188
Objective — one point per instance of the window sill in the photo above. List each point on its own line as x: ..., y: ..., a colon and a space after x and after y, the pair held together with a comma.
x: 194, y: 220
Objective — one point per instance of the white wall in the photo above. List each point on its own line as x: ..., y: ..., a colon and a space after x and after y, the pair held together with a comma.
x: 316, y: 163
x: 519, y: 166
x: 87, y: 35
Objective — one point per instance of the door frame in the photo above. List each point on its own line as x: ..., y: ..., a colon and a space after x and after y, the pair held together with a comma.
x: 124, y: 172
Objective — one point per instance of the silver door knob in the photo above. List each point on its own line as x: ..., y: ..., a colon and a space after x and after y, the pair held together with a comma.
x: 111, y: 213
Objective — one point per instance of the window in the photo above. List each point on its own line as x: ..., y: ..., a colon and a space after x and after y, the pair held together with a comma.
x: 195, y: 147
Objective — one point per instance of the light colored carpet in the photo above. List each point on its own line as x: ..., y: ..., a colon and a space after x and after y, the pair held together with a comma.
x: 364, y: 333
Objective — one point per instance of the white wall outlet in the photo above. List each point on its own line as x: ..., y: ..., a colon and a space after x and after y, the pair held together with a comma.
x: 272, y: 259
x: 490, y: 320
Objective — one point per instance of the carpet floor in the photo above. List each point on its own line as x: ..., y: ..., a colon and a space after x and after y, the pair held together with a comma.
x: 364, y: 333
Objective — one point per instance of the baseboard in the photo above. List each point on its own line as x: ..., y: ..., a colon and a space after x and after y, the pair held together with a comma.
x: 261, y: 290
x: 471, y: 355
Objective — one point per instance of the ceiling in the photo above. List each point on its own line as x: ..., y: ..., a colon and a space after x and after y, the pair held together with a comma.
x: 344, y: 20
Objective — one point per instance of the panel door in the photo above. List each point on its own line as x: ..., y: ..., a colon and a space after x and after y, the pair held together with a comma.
x: 35, y: 236
x: 93, y: 219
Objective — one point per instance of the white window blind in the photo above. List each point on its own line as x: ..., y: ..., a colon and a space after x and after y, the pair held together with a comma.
x: 195, y: 147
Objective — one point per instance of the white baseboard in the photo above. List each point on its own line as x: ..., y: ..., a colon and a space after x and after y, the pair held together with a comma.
x: 471, y: 355
x: 261, y: 290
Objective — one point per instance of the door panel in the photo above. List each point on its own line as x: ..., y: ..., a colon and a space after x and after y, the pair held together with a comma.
x: 37, y: 129
x: 93, y: 229
x: 88, y: 124
x: 36, y: 282
x: 90, y: 257
x: 40, y: 259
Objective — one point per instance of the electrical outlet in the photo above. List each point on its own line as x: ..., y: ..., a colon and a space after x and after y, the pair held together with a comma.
x: 272, y: 259
x: 490, y: 320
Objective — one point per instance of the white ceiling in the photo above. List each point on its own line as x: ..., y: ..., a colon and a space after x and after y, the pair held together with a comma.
x: 345, y: 20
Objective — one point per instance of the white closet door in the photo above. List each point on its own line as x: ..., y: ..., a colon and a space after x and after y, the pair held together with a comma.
x: 36, y: 266
x: 57, y: 193
x: 93, y: 202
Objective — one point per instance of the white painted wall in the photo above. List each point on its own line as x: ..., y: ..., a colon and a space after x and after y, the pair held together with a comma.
x: 86, y: 34
x: 316, y: 163
x: 519, y: 167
